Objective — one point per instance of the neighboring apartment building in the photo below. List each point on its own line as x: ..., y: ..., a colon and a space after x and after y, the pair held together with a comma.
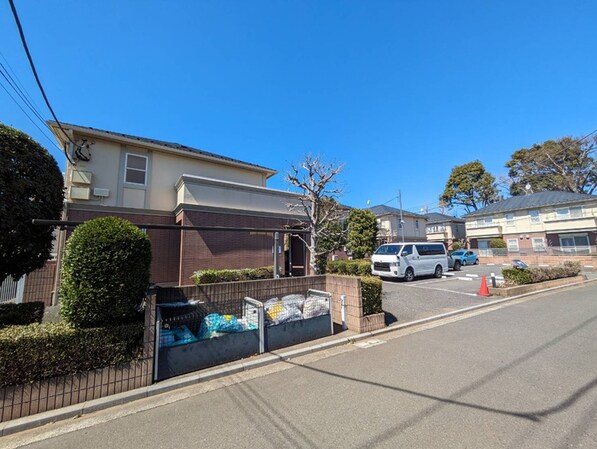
x: 149, y: 181
x: 444, y: 228
x: 390, y: 228
x: 543, y: 222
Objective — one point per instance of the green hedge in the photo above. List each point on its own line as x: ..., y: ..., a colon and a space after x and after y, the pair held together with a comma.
x: 533, y: 275
x: 21, y: 314
x: 371, y: 292
x: 38, y: 351
x: 245, y: 274
x: 357, y: 267
x: 105, y: 273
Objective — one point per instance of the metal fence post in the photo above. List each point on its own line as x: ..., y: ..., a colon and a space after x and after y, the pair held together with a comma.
x: 343, y: 311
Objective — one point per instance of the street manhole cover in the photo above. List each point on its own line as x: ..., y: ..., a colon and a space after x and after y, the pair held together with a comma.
x: 369, y: 343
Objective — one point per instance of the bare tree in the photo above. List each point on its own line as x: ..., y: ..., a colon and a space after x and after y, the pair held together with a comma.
x: 317, y: 181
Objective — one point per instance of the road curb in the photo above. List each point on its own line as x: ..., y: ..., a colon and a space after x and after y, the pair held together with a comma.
x: 73, y: 411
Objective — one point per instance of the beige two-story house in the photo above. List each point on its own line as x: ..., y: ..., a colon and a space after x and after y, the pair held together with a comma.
x: 445, y: 228
x: 150, y: 181
x: 539, y: 223
x: 395, y: 226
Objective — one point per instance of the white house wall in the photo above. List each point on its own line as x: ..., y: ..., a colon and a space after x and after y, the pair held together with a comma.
x: 218, y: 194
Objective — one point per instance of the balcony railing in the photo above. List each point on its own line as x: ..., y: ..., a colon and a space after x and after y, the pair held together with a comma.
x: 546, y: 251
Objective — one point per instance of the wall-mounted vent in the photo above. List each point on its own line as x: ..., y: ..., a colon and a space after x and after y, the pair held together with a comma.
x: 79, y: 193
x: 80, y: 177
x: 104, y: 193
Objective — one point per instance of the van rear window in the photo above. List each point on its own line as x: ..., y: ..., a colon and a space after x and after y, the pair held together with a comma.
x: 388, y: 249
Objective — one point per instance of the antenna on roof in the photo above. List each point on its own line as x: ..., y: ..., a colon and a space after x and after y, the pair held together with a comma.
x: 528, y: 188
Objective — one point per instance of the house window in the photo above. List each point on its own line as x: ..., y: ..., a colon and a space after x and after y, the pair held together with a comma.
x: 569, y: 212
x: 538, y: 244
x: 513, y: 245
x: 485, y: 221
x: 135, y: 169
x: 535, y: 217
x: 416, y: 224
x: 509, y: 219
x: 575, y: 244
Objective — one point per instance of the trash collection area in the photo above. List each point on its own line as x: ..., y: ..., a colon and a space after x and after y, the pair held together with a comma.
x: 193, y: 334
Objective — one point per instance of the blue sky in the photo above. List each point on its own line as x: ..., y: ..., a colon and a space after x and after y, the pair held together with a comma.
x: 398, y: 91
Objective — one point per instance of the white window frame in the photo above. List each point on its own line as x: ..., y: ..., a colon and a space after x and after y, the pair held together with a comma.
x: 484, y: 221
x: 535, y: 218
x: 573, y: 236
x: 511, y: 248
x: 509, y: 219
x: 126, y: 168
x: 538, y: 248
x: 567, y: 212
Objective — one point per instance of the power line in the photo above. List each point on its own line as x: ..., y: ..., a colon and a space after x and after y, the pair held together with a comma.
x: 24, y: 42
x: 19, y: 92
x: 29, y: 117
x: 16, y: 78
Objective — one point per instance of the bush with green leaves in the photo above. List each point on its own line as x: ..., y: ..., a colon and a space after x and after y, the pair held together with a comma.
x: 21, y: 314
x: 31, y: 186
x: 362, y: 232
x: 371, y: 289
x: 357, y: 267
x: 531, y: 275
x: 38, y: 351
x: 105, y: 273
x: 497, y: 243
x: 245, y: 274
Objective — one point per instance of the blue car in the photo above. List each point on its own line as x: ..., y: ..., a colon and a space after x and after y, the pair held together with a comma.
x: 465, y: 257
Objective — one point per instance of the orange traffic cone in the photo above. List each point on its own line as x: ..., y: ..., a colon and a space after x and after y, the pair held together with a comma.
x: 483, y: 291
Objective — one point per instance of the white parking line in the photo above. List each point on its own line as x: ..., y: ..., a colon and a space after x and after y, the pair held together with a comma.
x: 543, y: 265
x: 449, y: 274
x: 490, y: 265
x: 442, y: 290
x: 588, y: 266
x: 473, y: 275
x: 464, y: 279
x: 506, y: 264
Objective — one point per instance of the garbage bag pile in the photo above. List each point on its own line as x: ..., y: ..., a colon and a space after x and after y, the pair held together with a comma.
x: 293, y: 308
x: 213, y: 325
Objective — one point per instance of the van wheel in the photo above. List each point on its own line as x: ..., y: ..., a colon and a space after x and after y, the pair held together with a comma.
x: 438, y: 271
x: 463, y: 261
x: 476, y: 261
x: 409, y: 275
x: 457, y: 265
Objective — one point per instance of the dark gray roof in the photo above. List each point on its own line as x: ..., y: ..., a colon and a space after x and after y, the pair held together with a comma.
x: 387, y: 210
x: 173, y: 145
x: 434, y: 217
x: 532, y: 201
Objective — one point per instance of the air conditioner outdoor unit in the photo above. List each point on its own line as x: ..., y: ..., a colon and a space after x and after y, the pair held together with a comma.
x: 101, y: 192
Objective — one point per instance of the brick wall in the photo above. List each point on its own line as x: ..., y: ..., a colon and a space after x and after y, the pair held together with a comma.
x: 234, y: 292
x: 165, y: 244
x: 226, y: 249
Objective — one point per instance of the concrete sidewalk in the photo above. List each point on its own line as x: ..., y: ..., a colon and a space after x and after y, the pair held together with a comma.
x: 342, y: 338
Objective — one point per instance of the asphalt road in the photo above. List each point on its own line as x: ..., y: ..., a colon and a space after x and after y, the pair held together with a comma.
x: 522, y: 376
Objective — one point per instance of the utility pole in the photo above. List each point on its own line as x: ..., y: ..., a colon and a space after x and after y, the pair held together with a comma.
x: 401, y: 219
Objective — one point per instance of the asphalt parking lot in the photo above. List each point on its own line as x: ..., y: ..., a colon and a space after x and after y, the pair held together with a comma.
x: 428, y: 296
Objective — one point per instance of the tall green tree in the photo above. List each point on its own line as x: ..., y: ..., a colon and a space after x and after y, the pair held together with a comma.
x: 31, y: 186
x: 362, y: 232
x: 470, y: 186
x: 317, y: 181
x: 565, y: 164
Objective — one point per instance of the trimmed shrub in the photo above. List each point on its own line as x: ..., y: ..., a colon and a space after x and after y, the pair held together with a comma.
x: 39, y: 351
x: 218, y: 276
x: 371, y: 288
x: 105, y: 273
x: 21, y: 314
x: 516, y: 276
x: 358, y: 267
x: 497, y: 243
x: 533, y: 275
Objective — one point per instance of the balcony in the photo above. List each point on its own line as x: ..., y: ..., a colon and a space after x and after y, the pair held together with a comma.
x: 488, y: 230
x: 555, y: 223
x: 439, y: 236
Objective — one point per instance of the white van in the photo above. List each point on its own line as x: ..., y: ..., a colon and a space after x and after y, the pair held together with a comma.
x: 409, y: 259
